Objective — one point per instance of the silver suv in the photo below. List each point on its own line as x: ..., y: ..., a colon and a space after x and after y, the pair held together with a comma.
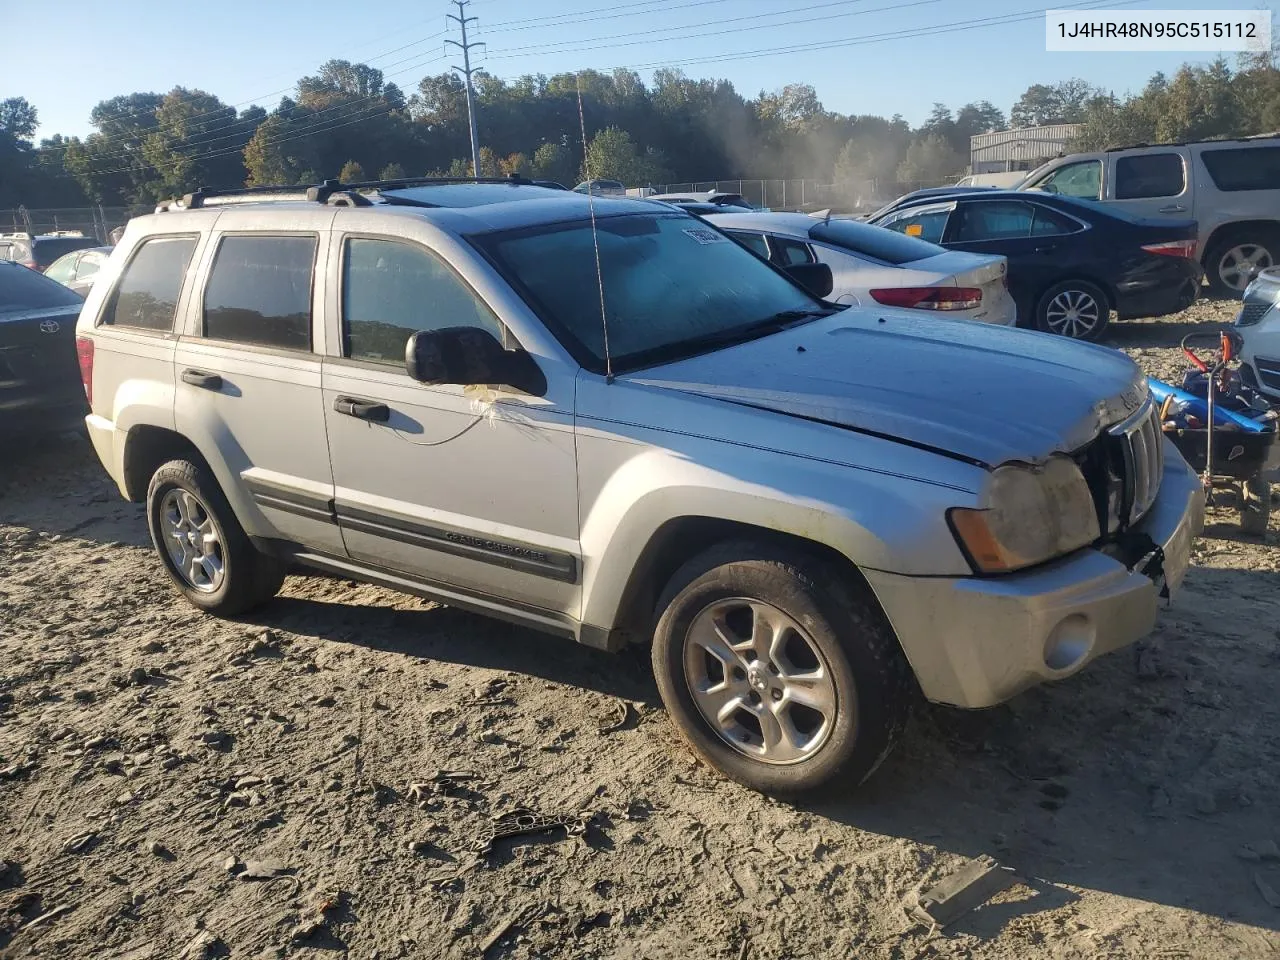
x: 607, y: 420
x: 1230, y: 187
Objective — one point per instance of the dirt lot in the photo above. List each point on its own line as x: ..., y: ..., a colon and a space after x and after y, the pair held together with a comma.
x: 175, y: 786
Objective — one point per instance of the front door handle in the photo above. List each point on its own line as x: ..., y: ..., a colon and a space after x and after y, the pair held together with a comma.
x: 363, y: 409
x: 1046, y: 248
x: 198, y: 378
x: 1174, y: 208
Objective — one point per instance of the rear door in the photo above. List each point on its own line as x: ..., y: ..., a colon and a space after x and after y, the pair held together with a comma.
x: 1035, y: 240
x: 248, y: 390
x: 1155, y: 184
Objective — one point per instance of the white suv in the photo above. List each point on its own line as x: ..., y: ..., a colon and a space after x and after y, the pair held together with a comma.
x: 1230, y: 187
x: 607, y: 420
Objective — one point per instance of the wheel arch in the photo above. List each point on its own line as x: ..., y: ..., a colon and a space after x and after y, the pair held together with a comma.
x: 1224, y: 231
x: 146, y: 449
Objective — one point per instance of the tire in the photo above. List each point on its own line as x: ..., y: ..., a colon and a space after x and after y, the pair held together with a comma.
x: 1076, y: 309
x: 1230, y: 263
x: 1255, y: 507
x: 216, y: 567
x: 838, y: 651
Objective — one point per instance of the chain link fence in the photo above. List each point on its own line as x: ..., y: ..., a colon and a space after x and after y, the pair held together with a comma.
x: 846, y: 196
x: 96, y: 221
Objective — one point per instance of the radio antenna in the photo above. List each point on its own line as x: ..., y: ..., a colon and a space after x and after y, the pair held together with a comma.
x: 595, y: 236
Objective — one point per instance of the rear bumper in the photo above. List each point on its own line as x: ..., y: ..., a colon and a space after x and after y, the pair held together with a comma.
x: 28, y: 413
x: 108, y: 444
x: 1158, y: 293
x: 977, y: 642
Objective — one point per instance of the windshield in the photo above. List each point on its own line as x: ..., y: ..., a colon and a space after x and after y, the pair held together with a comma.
x: 877, y: 242
x: 671, y: 285
x: 24, y: 289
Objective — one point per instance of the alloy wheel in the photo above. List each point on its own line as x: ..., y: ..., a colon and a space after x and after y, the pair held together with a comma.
x: 193, y: 540
x: 1073, y: 313
x: 1241, y: 264
x: 759, y: 681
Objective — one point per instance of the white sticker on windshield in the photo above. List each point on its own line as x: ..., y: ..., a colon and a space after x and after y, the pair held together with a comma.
x: 706, y: 236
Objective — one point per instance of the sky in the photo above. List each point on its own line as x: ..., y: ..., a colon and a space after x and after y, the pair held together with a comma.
x: 893, y: 57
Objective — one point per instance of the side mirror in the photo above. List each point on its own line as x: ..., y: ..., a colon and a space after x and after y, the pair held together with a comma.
x: 814, y: 277
x: 470, y: 356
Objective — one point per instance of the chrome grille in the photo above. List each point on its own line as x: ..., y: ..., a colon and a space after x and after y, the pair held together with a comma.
x: 1142, y: 444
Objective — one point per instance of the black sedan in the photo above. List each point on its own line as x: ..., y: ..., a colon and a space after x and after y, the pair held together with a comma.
x: 40, y: 385
x: 1070, y: 261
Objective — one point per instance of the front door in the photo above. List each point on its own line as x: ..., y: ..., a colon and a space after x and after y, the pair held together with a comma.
x: 470, y: 488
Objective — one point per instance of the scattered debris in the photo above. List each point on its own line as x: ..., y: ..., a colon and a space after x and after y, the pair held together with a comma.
x: 514, y: 919
x: 445, y: 783
x: 965, y: 890
x: 266, y: 870
x: 520, y: 823
x: 82, y: 843
x: 158, y: 849
x: 50, y: 915
x: 622, y: 717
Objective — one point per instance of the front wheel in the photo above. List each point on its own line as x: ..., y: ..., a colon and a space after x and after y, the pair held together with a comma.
x: 201, y: 544
x: 778, y: 671
x: 1074, y: 308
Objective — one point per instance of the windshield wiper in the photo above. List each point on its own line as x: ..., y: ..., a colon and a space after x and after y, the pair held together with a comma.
x: 761, y: 328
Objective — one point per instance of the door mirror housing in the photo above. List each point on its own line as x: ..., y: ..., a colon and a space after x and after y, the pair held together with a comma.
x: 814, y: 277
x: 470, y: 356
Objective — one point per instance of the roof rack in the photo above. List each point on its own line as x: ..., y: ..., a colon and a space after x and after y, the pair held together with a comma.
x: 332, y: 192
x: 1192, y: 143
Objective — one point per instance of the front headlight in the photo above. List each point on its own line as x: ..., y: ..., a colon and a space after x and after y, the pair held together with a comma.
x: 1029, y: 515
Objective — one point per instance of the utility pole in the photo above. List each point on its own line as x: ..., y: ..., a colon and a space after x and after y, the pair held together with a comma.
x: 462, y: 20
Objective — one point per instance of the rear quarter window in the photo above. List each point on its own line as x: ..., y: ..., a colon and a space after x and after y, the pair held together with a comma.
x: 147, y: 295
x: 1245, y: 168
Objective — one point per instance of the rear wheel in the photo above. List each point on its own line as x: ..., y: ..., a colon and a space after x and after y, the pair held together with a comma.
x: 1233, y: 262
x: 201, y: 544
x: 1074, y: 308
x: 777, y: 671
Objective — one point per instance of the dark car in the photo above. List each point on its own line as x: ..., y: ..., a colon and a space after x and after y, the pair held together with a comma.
x: 40, y: 385
x: 1071, y: 262
x: 39, y: 252
x: 915, y: 196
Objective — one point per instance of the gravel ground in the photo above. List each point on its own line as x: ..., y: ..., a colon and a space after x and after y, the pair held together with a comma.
x: 322, y: 781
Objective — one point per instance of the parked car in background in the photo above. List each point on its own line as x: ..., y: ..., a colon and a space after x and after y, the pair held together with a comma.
x: 1071, y: 262
x: 917, y: 195
x: 77, y: 270
x: 550, y: 184
x: 871, y: 265
x: 1231, y: 188
x: 808, y: 514
x: 40, y: 388
x: 1002, y: 180
x: 602, y: 188
x: 1258, y: 324
x: 38, y: 252
x: 713, y: 197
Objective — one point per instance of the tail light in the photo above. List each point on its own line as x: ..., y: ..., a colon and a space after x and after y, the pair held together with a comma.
x: 84, y: 353
x: 31, y: 265
x: 930, y: 298
x: 1173, y: 248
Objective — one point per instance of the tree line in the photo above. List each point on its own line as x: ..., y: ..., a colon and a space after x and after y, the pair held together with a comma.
x: 347, y: 121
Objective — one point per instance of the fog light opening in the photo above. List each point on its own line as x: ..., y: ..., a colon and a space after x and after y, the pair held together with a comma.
x: 1069, y: 643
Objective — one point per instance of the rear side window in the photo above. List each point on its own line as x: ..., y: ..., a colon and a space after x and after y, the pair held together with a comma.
x: 791, y: 252
x: 260, y: 291
x: 1050, y: 224
x: 392, y: 290
x: 147, y: 296
x: 928, y: 226
x: 993, y: 220
x: 1253, y: 168
x: 754, y: 242
x: 1149, y: 175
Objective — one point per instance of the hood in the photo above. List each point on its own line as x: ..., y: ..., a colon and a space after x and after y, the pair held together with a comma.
x: 979, y: 393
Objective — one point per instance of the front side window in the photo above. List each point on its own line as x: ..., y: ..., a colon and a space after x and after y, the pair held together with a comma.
x: 926, y: 225
x: 147, y: 297
x: 1244, y: 168
x: 1149, y: 175
x: 259, y: 291
x: 673, y: 287
x: 63, y: 269
x: 392, y: 290
x: 993, y: 220
x: 90, y: 264
x: 1082, y: 180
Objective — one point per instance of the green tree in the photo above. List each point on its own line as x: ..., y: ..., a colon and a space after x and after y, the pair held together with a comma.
x: 930, y: 158
x: 1042, y: 104
x: 392, y: 171
x: 552, y: 161
x: 351, y: 172
x: 613, y: 155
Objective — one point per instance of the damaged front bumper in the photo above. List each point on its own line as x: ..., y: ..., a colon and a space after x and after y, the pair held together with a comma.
x: 975, y: 642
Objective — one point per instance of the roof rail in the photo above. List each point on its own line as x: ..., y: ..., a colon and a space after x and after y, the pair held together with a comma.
x: 1192, y: 143
x: 332, y: 192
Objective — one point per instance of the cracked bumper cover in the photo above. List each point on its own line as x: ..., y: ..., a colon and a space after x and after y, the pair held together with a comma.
x: 976, y: 642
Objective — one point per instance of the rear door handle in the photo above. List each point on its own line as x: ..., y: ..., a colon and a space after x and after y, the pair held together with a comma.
x: 198, y: 378
x: 1174, y: 208
x: 363, y: 409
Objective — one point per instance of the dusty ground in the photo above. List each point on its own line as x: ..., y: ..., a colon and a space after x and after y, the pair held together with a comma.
x: 147, y: 753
